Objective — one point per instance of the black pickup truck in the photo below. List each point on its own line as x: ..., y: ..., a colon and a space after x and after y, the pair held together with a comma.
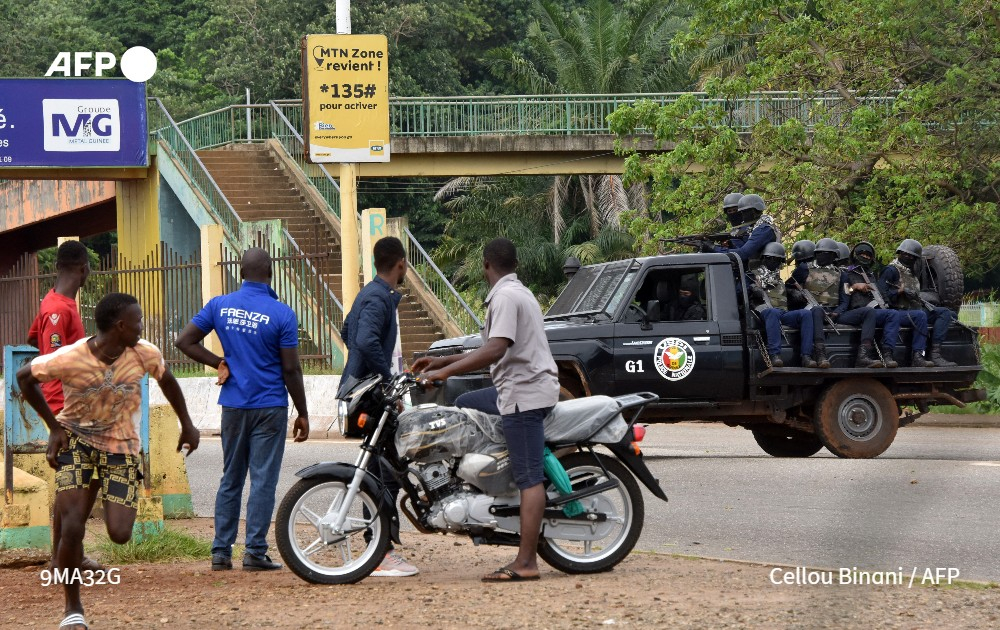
x: 610, y: 333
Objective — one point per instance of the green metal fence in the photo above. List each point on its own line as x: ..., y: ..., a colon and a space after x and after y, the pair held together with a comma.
x: 565, y: 114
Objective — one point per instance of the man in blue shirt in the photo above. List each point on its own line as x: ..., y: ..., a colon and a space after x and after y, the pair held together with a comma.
x: 260, y: 340
x: 369, y: 332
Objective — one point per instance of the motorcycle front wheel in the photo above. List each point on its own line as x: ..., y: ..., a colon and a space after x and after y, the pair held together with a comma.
x: 318, y: 552
x: 592, y: 547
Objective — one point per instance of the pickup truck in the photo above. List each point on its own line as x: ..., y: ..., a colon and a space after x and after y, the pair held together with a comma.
x: 610, y: 333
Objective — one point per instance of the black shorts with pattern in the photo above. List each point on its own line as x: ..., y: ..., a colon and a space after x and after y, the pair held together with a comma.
x: 120, y: 474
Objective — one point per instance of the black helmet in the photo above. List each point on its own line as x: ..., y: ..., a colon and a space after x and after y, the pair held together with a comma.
x: 731, y: 200
x: 803, y: 251
x: 845, y: 253
x: 775, y: 250
x: 827, y: 245
x: 751, y: 201
x: 750, y: 208
x: 863, y: 253
x: 911, y: 247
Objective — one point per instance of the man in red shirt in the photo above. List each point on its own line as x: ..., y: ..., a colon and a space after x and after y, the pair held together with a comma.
x: 58, y: 324
x: 58, y: 321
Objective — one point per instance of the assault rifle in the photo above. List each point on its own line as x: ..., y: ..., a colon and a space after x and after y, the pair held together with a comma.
x: 696, y: 240
x: 877, y: 298
x: 811, y: 301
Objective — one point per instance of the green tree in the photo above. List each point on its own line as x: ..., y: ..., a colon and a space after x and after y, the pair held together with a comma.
x: 907, y: 148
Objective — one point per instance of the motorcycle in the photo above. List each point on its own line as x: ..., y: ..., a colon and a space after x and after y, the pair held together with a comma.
x: 335, y: 524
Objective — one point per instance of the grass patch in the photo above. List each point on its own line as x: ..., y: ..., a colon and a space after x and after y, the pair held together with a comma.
x: 171, y: 545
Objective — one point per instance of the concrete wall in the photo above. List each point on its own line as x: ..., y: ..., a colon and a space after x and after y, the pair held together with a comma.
x: 202, y: 397
x: 177, y: 229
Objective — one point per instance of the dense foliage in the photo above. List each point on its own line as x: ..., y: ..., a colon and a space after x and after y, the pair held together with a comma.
x: 925, y: 164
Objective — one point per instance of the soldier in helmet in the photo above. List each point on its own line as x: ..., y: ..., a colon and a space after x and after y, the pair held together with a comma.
x: 844, y: 255
x: 752, y: 230
x: 860, y: 293
x: 769, y: 296
x: 900, y: 284
x: 730, y: 207
x: 803, y: 253
x: 826, y: 283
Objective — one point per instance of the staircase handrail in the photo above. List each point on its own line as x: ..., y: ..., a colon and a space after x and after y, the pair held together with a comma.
x: 335, y: 209
x: 462, y: 322
x: 230, y: 221
x: 425, y: 259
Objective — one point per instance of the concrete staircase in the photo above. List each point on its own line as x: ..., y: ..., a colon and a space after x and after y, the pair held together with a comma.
x: 253, y: 181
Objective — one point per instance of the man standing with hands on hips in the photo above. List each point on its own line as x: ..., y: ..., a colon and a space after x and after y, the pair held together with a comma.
x: 527, y: 387
x: 260, y: 338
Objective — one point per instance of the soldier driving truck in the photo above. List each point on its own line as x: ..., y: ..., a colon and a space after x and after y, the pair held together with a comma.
x: 608, y: 335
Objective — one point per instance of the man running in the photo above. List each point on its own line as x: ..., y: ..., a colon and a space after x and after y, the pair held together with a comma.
x: 94, y: 441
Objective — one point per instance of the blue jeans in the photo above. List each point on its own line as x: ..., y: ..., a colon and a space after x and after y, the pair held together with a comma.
x: 803, y: 319
x: 918, y: 321
x: 252, y: 440
x: 523, y: 431
x: 939, y: 319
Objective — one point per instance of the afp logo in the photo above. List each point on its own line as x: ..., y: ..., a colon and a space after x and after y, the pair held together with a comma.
x: 81, y: 124
x: 138, y: 64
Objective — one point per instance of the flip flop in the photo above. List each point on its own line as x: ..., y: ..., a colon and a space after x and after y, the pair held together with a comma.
x: 511, y: 576
x: 74, y: 619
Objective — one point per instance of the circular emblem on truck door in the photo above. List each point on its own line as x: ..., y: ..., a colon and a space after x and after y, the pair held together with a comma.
x: 673, y: 358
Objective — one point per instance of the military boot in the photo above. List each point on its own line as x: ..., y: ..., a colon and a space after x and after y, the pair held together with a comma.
x: 938, y: 360
x: 918, y: 360
x: 887, y: 359
x: 776, y: 360
x: 819, y: 356
x: 807, y: 361
x: 865, y: 358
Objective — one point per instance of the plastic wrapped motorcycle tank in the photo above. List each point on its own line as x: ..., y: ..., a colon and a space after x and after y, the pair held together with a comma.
x: 433, y: 434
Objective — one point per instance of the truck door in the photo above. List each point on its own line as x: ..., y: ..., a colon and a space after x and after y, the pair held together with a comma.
x: 679, y: 354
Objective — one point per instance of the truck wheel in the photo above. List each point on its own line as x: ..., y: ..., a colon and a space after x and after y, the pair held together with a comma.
x: 786, y: 442
x: 856, y: 418
x: 947, y: 270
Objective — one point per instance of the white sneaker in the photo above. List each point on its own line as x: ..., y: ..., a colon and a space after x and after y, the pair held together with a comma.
x: 393, y: 565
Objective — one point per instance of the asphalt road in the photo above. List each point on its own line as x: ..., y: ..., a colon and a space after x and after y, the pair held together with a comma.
x: 929, y: 502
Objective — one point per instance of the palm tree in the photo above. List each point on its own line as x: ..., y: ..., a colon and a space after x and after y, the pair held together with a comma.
x: 601, y: 49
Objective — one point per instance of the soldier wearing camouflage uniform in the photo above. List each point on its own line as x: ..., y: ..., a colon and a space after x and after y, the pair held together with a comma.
x: 861, y: 294
x: 900, y: 285
x: 826, y: 282
x: 769, y: 296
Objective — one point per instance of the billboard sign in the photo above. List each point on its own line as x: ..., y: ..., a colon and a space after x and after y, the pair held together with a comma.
x: 345, y: 81
x: 73, y: 123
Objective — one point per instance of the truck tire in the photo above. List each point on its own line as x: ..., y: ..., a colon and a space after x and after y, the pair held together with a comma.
x: 947, y: 272
x: 856, y: 418
x: 778, y: 442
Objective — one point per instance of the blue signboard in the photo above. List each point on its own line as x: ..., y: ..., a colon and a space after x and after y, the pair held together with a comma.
x: 72, y: 123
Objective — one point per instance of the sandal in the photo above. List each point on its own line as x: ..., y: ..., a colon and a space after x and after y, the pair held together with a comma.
x: 508, y: 576
x: 74, y: 619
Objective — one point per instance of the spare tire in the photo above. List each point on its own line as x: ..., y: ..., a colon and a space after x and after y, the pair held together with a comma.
x: 946, y: 272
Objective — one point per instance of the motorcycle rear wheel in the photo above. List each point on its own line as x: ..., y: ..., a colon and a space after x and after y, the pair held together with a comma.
x: 343, y: 557
x: 611, y: 541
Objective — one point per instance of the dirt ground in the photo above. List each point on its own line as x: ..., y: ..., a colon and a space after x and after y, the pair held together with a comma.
x: 646, y: 590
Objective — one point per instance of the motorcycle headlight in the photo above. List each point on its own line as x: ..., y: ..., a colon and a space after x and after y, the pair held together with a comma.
x: 342, y: 410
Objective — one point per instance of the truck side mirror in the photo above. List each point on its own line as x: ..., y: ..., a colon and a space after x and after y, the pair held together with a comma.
x: 652, y: 314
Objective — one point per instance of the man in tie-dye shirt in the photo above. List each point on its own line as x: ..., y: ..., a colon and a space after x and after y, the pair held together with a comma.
x: 94, y: 441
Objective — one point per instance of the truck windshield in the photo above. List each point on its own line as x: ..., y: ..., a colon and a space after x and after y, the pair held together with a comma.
x: 599, y: 289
